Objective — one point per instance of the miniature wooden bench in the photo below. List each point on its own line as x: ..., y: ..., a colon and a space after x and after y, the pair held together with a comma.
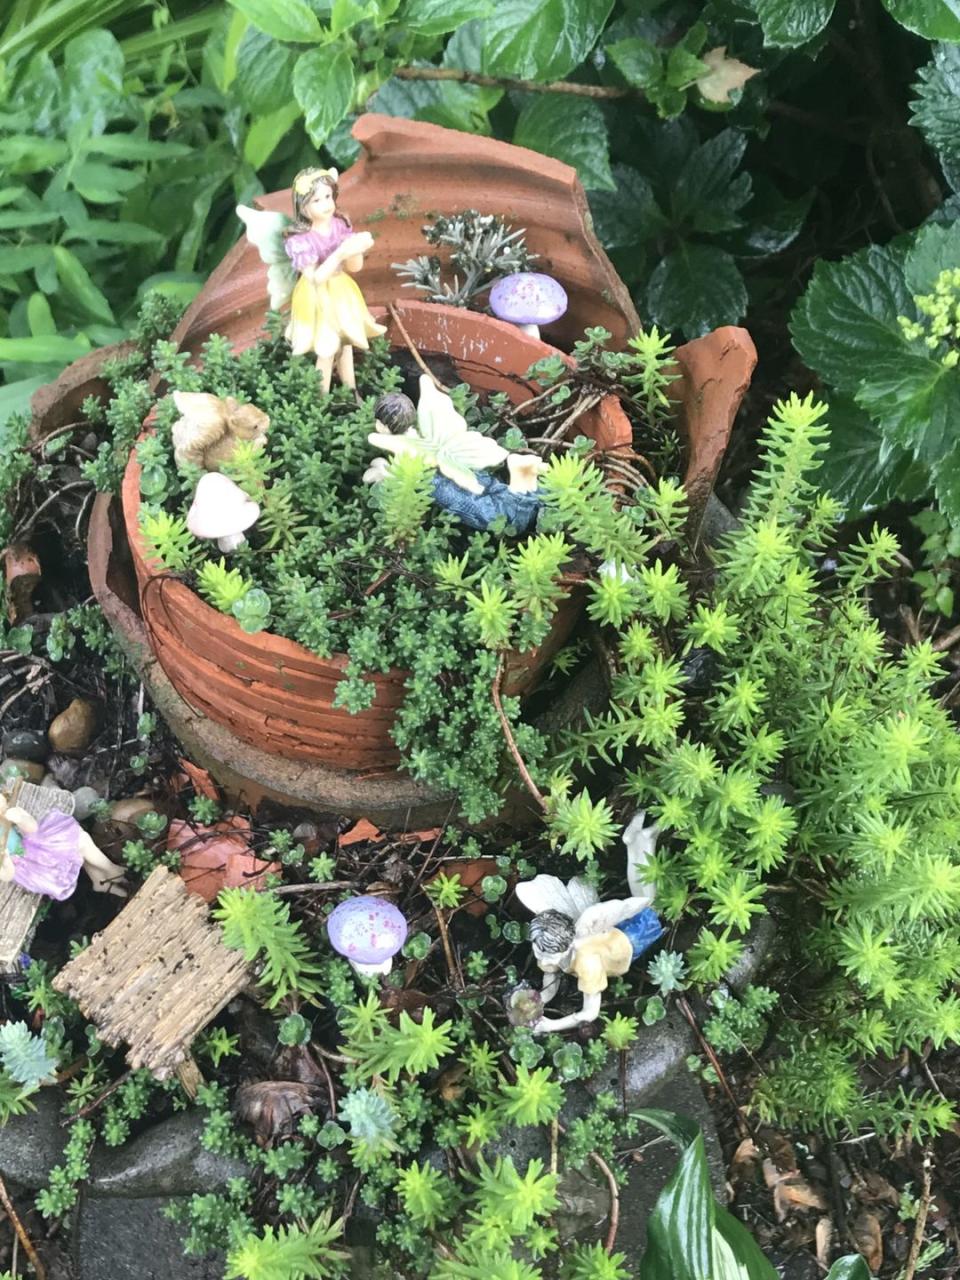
x: 156, y: 976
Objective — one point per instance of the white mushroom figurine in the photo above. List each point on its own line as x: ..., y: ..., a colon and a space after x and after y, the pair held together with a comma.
x: 528, y: 299
x: 221, y: 512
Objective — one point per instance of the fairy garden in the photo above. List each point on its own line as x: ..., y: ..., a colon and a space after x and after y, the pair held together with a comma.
x: 440, y: 838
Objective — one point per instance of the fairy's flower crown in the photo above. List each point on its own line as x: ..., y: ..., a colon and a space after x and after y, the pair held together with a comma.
x: 308, y: 178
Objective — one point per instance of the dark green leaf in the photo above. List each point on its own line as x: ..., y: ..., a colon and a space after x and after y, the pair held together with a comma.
x: 569, y: 129
x: 695, y: 289
x: 936, y: 108
x: 77, y: 285
x: 264, y: 72
x: 15, y: 219
x: 861, y: 468
x: 93, y: 79
x: 283, y: 19
x: 323, y: 84
x: 15, y: 397
x: 638, y: 61
x: 747, y: 1254
x: 437, y: 17
x: 103, y: 183
x: 706, y: 193
x: 772, y: 221
x: 935, y: 249
x: 24, y: 153
x: 916, y: 400
x: 125, y: 146
x: 681, y: 1130
x: 680, y: 1228
x: 788, y: 23
x: 846, y: 322
x: 542, y: 39
x: 629, y: 215
x: 852, y: 1267
x: 24, y: 257
x: 684, y: 68
x: 39, y: 316
x: 933, y: 19
x: 45, y: 350
x: 104, y: 231
x: 458, y: 106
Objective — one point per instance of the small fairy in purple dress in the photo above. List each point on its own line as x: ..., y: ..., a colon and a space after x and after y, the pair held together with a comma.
x: 45, y: 856
x: 328, y: 315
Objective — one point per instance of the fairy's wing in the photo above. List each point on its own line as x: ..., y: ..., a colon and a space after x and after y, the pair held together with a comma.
x: 458, y: 451
x: 265, y: 230
x: 641, y: 842
x: 549, y: 893
x: 607, y: 915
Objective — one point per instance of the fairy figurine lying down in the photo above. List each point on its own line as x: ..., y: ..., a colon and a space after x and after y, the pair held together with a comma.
x: 328, y: 315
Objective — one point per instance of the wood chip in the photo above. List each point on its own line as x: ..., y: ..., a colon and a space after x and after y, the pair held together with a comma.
x: 868, y: 1239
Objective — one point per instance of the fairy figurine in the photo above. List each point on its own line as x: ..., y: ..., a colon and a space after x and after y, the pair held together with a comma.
x: 311, y: 261
x: 45, y: 855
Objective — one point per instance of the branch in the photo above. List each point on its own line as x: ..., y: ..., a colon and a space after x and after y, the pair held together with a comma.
x: 510, y: 82
x: 511, y: 740
x: 18, y: 1227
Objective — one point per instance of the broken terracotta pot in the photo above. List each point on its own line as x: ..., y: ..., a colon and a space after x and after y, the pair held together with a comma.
x: 270, y: 691
x: 218, y: 857
x: 408, y: 171
x: 21, y: 569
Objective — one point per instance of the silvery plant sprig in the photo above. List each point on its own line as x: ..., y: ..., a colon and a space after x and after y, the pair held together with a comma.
x: 484, y: 249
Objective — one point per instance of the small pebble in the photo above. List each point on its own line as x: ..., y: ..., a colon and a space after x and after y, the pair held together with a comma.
x: 26, y: 744
x: 86, y: 799
x: 29, y: 770
x: 129, y: 810
x: 72, y: 730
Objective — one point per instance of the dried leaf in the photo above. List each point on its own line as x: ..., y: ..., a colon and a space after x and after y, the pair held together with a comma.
x: 360, y: 831
x: 872, y: 1188
x: 203, y: 783
x: 743, y: 1164
x: 725, y: 77
x: 868, y: 1239
x: 795, y: 1193
x: 824, y: 1239
x: 273, y: 1107
x: 450, y: 1085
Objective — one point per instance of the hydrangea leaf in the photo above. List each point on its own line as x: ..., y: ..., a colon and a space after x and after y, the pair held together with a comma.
x: 570, y: 129
x: 542, y: 39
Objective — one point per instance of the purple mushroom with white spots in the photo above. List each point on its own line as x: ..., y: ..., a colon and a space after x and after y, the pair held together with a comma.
x: 368, y: 932
x: 528, y: 299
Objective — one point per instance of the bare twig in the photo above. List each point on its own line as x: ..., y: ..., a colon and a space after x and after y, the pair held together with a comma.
x: 605, y: 1169
x: 101, y: 1097
x: 947, y: 642
x: 920, y: 1225
x: 688, y: 1013
x: 456, y: 977
x: 408, y: 341
x: 511, y: 741
x: 22, y: 1236
x: 32, y: 518
x: 511, y: 82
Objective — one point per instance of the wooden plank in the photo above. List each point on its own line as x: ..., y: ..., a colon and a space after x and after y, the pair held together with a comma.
x: 156, y: 976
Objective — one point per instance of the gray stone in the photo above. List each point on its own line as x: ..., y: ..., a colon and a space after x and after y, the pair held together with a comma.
x: 658, y: 1053
x: 26, y: 744
x: 86, y: 798
x: 132, y: 1240
x: 167, y: 1159
x: 756, y: 948
x: 31, y: 1144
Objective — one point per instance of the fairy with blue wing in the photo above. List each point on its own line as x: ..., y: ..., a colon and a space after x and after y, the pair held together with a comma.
x: 311, y: 261
x: 573, y: 932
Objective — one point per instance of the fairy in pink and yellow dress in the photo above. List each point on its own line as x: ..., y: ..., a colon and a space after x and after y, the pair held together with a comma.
x: 320, y: 252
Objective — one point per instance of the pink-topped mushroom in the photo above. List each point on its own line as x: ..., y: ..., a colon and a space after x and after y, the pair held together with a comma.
x: 528, y: 299
x: 368, y: 932
x: 221, y: 512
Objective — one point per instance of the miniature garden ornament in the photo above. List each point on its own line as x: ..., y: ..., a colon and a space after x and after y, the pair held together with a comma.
x: 573, y: 932
x: 45, y: 856
x: 209, y: 429
x: 328, y: 315
x: 368, y: 932
x: 528, y: 299
x: 221, y: 512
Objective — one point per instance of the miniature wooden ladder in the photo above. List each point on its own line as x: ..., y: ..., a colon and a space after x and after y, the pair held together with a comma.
x: 156, y: 976
x: 19, y: 907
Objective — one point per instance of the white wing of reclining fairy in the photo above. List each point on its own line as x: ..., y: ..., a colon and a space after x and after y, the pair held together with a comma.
x: 549, y: 893
x: 265, y: 230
